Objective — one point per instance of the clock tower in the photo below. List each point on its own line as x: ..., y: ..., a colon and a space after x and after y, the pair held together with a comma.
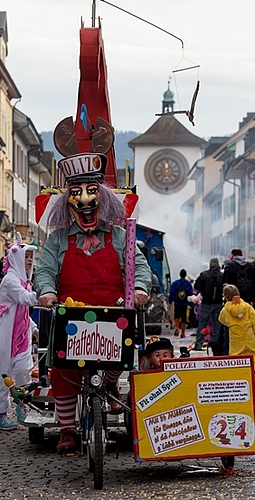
x: 163, y: 156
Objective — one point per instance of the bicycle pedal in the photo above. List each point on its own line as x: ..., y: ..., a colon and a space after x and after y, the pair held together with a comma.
x: 68, y: 454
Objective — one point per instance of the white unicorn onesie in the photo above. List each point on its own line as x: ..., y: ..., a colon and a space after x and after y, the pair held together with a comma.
x: 16, y: 326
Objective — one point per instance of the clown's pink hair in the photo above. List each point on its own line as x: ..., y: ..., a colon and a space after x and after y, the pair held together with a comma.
x: 111, y: 209
x: 60, y: 215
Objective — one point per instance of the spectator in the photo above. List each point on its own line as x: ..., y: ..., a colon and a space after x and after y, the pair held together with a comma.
x: 240, y: 273
x: 158, y: 349
x: 239, y: 317
x: 209, y: 284
x: 179, y: 291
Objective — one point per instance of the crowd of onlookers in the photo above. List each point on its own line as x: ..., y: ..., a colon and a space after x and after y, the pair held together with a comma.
x: 220, y: 304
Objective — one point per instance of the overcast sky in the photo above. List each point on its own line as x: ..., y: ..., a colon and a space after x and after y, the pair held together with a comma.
x: 218, y: 35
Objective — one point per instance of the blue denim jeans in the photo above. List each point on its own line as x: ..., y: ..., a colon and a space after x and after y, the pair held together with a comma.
x: 208, y: 310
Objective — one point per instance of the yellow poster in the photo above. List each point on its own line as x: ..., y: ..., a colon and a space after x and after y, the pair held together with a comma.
x: 194, y: 407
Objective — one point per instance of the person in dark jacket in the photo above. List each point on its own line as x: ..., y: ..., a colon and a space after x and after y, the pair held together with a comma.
x: 179, y: 291
x: 209, y: 284
x: 240, y: 273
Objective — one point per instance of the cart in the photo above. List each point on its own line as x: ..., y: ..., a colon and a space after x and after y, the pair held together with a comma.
x: 194, y: 407
x: 190, y: 408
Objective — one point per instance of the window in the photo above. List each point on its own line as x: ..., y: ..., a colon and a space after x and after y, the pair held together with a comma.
x: 15, y: 157
x: 216, y: 211
x: 242, y: 237
x: 20, y: 214
x: 229, y: 206
x: 229, y: 242
x: 199, y: 190
x: 198, y: 228
x: 249, y: 186
x: 217, y: 245
x: 249, y: 231
x: 243, y: 189
x: 34, y: 190
x: 22, y: 166
x: 18, y: 160
x: 253, y: 223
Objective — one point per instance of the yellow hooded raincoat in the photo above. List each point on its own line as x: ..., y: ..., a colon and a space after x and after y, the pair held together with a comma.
x: 240, y: 319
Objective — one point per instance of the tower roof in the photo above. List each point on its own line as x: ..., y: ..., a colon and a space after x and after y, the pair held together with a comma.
x: 167, y: 131
x: 168, y: 95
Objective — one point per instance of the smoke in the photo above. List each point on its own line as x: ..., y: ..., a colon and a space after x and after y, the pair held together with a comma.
x: 181, y: 256
x: 171, y: 214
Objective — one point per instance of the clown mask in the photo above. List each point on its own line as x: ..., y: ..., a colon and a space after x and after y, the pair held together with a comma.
x: 83, y: 202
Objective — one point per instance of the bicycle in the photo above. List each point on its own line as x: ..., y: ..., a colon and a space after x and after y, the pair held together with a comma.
x: 94, y: 431
x: 110, y: 333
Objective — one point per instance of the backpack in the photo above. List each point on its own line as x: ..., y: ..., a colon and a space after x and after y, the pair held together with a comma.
x: 211, y: 286
x: 243, y: 282
x: 181, y: 294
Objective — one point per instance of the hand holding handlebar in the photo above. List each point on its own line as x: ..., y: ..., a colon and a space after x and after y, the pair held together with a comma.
x: 141, y: 298
x: 47, y: 300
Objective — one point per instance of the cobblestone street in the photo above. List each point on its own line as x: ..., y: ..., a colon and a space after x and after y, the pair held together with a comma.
x: 29, y: 471
x: 32, y: 472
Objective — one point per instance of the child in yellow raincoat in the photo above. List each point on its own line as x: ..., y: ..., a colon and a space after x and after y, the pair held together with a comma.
x: 239, y: 317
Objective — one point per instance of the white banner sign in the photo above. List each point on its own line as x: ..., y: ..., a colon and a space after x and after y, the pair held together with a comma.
x: 158, y: 392
x: 98, y: 341
x: 204, y: 363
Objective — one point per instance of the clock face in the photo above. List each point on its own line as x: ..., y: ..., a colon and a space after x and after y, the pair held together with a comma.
x: 166, y: 171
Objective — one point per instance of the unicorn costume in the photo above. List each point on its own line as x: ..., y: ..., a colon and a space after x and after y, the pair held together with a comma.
x: 16, y: 326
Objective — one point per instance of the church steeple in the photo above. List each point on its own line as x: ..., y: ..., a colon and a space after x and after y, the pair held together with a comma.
x: 168, y: 100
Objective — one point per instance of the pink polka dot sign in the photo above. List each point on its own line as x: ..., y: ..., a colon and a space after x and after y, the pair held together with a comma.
x: 122, y: 323
x: 130, y: 263
x: 61, y: 354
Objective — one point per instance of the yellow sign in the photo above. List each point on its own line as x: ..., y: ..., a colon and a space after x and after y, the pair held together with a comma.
x: 194, y: 407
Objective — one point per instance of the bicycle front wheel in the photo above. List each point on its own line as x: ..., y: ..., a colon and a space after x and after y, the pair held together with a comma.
x: 96, y: 448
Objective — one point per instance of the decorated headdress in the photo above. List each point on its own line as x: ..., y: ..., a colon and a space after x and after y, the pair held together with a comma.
x: 78, y: 165
x: 83, y: 167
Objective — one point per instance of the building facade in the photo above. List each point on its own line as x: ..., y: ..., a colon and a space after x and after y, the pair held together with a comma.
x: 31, y: 170
x: 8, y: 92
x: 221, y: 213
x: 24, y: 165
